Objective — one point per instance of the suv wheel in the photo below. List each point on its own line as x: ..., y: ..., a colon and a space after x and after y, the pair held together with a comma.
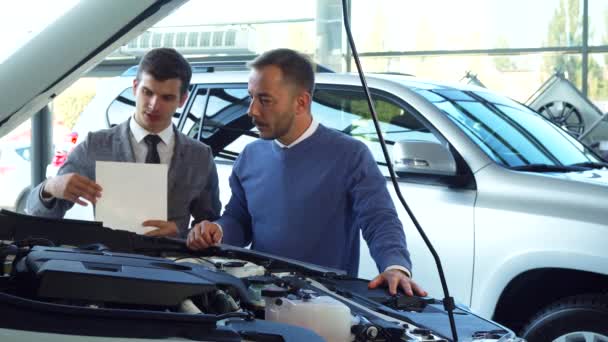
x: 582, y: 318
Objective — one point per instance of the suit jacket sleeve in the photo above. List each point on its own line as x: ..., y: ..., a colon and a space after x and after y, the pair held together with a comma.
x: 79, y: 162
x: 207, y: 205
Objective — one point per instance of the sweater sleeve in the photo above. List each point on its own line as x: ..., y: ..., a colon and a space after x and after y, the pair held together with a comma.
x: 374, y: 212
x: 236, y: 220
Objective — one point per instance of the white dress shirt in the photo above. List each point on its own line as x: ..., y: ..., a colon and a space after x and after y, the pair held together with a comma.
x: 307, y: 133
x: 140, y: 149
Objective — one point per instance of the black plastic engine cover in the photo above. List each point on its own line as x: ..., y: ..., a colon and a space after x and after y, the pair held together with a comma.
x: 106, y: 277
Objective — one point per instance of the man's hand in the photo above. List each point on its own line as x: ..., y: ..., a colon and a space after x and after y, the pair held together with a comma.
x: 71, y: 187
x: 165, y: 228
x: 203, y: 235
x: 395, y: 278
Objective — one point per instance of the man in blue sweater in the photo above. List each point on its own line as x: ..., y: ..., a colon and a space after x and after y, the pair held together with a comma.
x: 303, y: 191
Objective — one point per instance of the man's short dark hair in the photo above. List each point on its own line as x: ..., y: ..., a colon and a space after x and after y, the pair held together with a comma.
x: 296, y: 67
x: 164, y: 64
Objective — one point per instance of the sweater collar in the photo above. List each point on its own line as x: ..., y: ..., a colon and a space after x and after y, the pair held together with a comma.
x: 307, y: 133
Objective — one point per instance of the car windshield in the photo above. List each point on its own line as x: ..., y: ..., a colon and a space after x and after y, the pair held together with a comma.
x: 510, y: 133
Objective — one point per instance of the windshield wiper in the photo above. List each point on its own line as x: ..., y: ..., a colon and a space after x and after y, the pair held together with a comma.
x: 548, y: 168
x: 591, y: 165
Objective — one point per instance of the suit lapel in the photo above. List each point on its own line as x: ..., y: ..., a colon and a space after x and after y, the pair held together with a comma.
x: 177, y: 160
x: 123, y: 151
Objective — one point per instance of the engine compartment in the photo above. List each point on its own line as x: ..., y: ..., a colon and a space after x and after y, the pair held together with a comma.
x: 213, y: 286
x: 119, y: 284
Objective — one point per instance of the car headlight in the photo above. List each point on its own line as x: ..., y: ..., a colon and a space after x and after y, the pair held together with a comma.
x: 511, y: 338
x: 497, y: 336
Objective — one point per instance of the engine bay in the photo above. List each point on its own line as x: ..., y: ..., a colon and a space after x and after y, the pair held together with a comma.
x: 155, y: 288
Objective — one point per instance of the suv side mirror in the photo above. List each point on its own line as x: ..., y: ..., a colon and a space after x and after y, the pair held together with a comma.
x: 423, y: 157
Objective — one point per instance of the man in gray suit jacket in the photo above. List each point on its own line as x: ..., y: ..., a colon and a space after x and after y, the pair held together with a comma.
x: 160, y: 87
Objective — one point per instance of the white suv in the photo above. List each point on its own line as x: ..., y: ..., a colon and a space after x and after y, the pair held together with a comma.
x: 516, y: 208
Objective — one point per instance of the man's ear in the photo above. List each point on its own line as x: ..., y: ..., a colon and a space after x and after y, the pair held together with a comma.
x: 135, y: 83
x: 303, y: 102
x: 183, y: 99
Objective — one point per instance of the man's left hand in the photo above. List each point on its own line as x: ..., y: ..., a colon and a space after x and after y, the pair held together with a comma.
x: 165, y: 228
x: 394, y: 279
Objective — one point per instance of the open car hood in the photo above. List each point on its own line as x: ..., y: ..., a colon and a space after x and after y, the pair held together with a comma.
x: 117, y: 284
x: 58, y: 56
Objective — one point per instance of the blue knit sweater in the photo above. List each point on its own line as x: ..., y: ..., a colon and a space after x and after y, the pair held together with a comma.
x: 308, y: 203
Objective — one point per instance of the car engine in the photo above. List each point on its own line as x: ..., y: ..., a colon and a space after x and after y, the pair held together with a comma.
x: 222, y: 293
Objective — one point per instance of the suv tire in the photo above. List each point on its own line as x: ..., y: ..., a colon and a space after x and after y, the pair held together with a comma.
x: 577, y: 318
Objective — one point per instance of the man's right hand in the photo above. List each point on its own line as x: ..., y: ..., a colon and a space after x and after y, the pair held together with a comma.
x: 71, y: 187
x: 203, y: 235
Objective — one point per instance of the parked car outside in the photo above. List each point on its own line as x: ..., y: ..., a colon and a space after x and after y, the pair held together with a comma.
x: 515, y: 206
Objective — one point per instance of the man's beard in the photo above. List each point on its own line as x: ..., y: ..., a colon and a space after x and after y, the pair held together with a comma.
x: 278, y: 131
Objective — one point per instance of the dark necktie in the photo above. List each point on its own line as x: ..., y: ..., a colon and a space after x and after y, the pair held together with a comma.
x: 152, y: 156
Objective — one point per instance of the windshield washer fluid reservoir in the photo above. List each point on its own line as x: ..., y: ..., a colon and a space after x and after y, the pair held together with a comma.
x: 326, y: 316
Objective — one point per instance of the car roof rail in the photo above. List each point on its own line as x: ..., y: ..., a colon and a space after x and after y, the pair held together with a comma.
x: 202, y: 67
x: 212, y: 66
x: 394, y: 73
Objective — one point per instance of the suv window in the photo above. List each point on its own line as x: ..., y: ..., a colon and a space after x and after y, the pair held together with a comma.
x: 222, y: 98
x: 347, y: 111
x: 508, y: 132
x: 124, y: 106
x: 192, y: 120
x: 226, y: 126
x: 227, y: 111
x: 121, y: 108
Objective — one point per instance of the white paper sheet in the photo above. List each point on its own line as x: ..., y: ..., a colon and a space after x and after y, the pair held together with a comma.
x: 132, y: 193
